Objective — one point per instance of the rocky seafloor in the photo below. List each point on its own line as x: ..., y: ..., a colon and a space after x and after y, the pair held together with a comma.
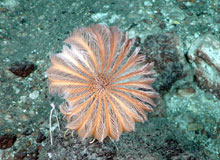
x: 181, y: 37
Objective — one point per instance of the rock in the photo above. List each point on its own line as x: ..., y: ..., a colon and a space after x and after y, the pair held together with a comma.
x: 34, y: 95
x: 6, y: 141
x: 40, y: 138
x: 169, y: 61
x: 204, y: 55
x: 21, y: 68
x: 173, y: 12
x: 194, y: 127
x: 21, y: 154
x: 186, y: 92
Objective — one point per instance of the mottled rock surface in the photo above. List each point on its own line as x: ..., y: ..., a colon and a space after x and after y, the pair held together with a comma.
x: 204, y: 56
x: 164, y: 51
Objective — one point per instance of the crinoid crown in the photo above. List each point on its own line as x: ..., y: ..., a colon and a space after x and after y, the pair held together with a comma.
x: 106, y: 90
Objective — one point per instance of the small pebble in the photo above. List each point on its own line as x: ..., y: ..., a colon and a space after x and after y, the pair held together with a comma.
x: 22, y: 68
x: 40, y: 138
x: 194, y: 127
x: 7, y: 141
x: 186, y: 92
x: 34, y: 94
x: 20, y: 154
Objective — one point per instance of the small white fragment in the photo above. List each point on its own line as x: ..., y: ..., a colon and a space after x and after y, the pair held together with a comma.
x: 99, y: 16
x: 147, y: 3
x: 113, y: 18
x: 34, y: 94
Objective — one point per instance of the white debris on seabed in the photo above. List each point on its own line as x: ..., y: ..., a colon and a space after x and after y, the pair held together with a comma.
x: 22, y: 99
x: 34, y: 94
x: 147, y: 3
x: 114, y: 18
x: 99, y: 16
x: 9, y: 3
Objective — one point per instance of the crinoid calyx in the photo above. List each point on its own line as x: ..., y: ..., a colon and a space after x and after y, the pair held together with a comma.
x: 105, y: 89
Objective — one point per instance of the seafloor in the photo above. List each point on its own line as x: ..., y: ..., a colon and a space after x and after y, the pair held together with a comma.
x: 186, y: 122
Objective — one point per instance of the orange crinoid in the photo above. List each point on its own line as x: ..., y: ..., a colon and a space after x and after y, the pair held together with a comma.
x: 105, y: 90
